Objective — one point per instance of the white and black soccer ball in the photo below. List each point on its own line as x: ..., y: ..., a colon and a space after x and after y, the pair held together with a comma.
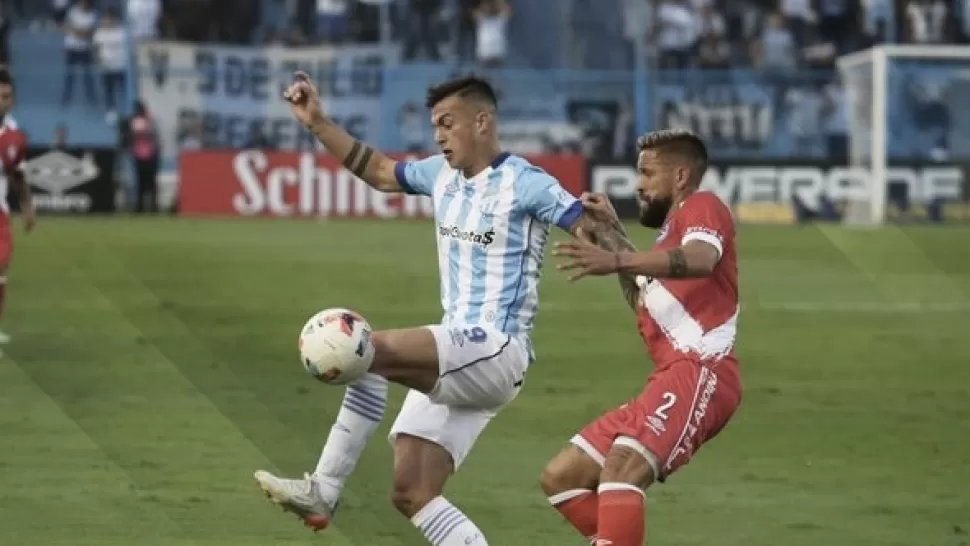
x: 335, y: 346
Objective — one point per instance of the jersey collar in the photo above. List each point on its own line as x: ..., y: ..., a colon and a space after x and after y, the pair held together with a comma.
x: 499, y: 159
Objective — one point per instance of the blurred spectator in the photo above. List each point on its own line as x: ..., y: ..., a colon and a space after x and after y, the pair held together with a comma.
x: 143, y: 18
x: 491, y: 28
x: 926, y: 20
x: 420, y: 33
x: 143, y: 140
x: 333, y: 21
x: 60, y: 8
x: 713, y: 48
x: 465, y: 34
x: 776, y: 51
x: 799, y: 17
x: 112, y: 44
x: 838, y: 21
x: 676, y: 30
x: 79, y: 26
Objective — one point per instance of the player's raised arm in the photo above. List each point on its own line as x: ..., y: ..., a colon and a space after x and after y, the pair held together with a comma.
x: 365, y: 161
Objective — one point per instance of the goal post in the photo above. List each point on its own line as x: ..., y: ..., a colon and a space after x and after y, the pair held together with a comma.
x: 904, y: 104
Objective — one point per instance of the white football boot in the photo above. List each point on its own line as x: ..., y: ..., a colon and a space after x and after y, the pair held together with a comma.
x: 301, y: 497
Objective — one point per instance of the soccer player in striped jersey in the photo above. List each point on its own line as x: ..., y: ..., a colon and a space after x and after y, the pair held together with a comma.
x: 493, y: 215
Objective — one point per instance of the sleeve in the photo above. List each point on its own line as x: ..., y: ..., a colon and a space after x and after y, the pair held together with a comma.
x: 708, y: 220
x: 546, y: 200
x: 418, y: 177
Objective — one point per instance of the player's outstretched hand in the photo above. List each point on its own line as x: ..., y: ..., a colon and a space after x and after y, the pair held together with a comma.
x: 586, y: 258
x: 599, y: 205
x: 304, y: 99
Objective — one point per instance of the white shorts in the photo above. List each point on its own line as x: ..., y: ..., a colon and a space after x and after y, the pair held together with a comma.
x: 482, y: 370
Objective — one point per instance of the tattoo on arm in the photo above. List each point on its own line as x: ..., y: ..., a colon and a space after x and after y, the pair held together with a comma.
x: 358, y: 160
x: 678, y: 262
x: 613, y: 238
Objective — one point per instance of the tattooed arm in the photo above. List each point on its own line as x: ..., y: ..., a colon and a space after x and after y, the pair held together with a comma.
x: 368, y: 163
x: 610, y: 236
x: 692, y: 259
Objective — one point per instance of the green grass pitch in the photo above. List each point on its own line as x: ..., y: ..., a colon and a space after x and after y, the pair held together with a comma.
x: 154, y: 367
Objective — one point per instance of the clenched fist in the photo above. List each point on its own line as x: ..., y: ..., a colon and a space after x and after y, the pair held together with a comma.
x: 304, y: 100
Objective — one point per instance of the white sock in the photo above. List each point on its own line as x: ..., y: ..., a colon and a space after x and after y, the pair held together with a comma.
x: 444, y: 525
x: 360, y: 414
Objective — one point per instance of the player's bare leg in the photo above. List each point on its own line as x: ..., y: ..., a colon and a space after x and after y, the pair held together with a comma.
x: 629, y: 469
x: 408, y: 357
x: 4, y: 338
x: 570, y: 480
x: 421, y: 470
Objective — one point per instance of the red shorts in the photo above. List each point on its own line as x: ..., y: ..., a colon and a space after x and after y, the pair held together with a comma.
x: 6, y: 241
x: 681, y: 407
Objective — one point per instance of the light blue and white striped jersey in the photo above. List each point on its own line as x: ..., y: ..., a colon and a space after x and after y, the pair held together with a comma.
x: 492, y: 231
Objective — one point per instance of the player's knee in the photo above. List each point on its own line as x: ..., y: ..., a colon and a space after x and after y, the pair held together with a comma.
x: 409, y: 498
x: 570, y: 469
x: 629, y: 462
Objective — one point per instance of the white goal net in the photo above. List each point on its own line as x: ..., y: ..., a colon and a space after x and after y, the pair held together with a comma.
x: 909, y: 133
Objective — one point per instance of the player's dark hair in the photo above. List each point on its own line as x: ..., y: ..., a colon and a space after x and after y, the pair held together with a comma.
x: 465, y: 87
x: 6, y: 78
x: 680, y: 143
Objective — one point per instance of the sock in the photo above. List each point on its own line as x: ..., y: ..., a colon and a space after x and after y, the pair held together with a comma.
x: 579, y: 507
x: 620, y: 515
x: 360, y: 414
x: 444, y: 525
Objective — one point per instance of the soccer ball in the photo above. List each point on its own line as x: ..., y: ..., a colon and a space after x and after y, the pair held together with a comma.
x: 335, y: 346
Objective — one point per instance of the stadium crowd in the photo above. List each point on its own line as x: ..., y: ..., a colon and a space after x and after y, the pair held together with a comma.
x: 773, y: 34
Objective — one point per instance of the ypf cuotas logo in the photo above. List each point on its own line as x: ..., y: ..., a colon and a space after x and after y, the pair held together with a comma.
x: 469, y: 236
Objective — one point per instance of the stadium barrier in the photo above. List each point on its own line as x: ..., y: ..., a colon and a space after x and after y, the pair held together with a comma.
x: 72, y: 180
x: 778, y: 191
x: 306, y: 184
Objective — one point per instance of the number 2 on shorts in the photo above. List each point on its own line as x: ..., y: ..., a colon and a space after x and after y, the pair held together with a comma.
x: 669, y: 400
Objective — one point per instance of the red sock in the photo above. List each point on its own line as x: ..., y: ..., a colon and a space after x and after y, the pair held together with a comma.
x: 620, y: 515
x: 579, y: 507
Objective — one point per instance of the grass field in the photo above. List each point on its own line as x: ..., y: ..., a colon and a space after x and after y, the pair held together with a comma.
x: 154, y: 367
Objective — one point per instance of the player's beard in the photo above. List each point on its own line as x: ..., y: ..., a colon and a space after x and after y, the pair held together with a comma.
x: 653, y: 212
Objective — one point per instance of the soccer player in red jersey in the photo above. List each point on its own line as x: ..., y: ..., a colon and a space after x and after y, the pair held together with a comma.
x: 685, y: 295
x: 13, y: 152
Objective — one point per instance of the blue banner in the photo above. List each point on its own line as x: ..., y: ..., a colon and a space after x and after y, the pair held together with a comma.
x: 231, y: 96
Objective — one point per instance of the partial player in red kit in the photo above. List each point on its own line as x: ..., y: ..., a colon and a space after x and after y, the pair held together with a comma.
x: 685, y: 294
x: 13, y: 152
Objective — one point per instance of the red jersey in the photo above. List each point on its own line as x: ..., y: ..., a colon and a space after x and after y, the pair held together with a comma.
x: 694, y: 317
x: 13, y: 152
